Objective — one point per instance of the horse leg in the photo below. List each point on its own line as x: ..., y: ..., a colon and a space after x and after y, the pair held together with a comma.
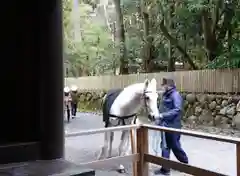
x: 110, y: 144
x: 124, y: 144
x: 121, y: 149
x: 104, y: 150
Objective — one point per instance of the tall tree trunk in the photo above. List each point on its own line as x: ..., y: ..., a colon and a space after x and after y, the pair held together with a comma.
x: 214, y: 42
x: 121, y: 37
x: 107, y: 21
x: 171, y: 61
x: 76, y: 21
x: 210, y: 40
x: 147, y: 50
x: 185, y: 64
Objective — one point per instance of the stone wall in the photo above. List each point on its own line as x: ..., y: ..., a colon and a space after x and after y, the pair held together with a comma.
x: 91, y: 101
x: 219, y: 110
x: 212, y: 110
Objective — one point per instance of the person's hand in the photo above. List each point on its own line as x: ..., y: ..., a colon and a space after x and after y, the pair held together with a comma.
x: 158, y: 119
x: 160, y: 116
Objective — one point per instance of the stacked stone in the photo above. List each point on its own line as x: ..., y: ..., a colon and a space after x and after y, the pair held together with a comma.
x: 212, y: 110
x: 199, y: 109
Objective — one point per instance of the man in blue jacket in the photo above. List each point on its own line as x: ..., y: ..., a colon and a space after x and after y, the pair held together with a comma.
x: 170, y: 116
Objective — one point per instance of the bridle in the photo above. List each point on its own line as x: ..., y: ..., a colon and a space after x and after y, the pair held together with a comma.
x: 145, y: 98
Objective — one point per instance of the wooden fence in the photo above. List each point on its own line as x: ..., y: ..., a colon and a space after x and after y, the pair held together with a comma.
x: 219, y: 81
x: 141, y: 156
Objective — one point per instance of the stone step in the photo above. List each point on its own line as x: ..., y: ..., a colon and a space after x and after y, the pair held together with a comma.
x: 45, y: 168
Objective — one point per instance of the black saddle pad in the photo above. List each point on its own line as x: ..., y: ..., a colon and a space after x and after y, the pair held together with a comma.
x: 107, y: 104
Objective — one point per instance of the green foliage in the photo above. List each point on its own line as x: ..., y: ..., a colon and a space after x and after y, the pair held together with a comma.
x: 93, y: 53
x: 98, y: 54
x: 228, y: 59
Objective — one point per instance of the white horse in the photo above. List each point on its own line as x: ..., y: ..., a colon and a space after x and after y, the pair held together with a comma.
x: 120, y: 108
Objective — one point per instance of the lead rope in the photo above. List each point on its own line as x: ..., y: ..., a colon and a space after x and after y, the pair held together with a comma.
x: 155, y: 137
x: 156, y: 142
x: 158, y: 139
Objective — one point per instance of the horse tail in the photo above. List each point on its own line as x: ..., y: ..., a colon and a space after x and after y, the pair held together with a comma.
x: 103, y: 100
x: 104, y: 109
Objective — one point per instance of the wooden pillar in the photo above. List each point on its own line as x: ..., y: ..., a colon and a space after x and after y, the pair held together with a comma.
x: 238, y: 158
x: 133, y: 146
x: 51, y: 78
x: 142, y: 148
x: 32, y: 79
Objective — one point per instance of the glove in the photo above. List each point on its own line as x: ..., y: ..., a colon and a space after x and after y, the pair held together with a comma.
x: 158, y: 120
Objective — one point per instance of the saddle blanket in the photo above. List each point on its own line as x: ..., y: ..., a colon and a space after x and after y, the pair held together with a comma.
x: 110, y: 98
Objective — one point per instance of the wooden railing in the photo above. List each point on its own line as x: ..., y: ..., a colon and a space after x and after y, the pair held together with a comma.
x: 145, y: 157
x: 99, y: 164
x: 141, y: 157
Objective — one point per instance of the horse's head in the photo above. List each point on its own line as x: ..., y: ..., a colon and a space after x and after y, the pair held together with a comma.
x: 150, y: 97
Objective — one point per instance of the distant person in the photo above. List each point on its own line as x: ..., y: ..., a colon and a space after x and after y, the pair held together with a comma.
x: 75, y: 99
x: 67, y: 102
x: 170, y: 116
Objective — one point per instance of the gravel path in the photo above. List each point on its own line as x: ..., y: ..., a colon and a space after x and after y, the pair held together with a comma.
x: 201, y: 152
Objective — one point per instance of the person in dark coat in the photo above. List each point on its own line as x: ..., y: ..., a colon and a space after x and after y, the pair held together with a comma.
x: 75, y: 99
x: 170, y: 116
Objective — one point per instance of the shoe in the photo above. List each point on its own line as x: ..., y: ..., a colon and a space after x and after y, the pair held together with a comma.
x: 161, y: 172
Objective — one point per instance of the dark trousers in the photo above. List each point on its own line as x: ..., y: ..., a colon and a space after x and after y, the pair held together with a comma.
x: 74, y: 109
x: 68, y: 113
x: 173, y: 143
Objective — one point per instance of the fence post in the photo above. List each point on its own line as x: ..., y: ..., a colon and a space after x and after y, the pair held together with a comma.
x: 238, y: 158
x: 142, y: 148
x: 133, y: 146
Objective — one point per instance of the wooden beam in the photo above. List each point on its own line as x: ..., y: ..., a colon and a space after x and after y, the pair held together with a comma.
x: 228, y: 139
x: 102, y: 130
x: 110, y: 162
x: 100, y: 164
x: 238, y: 158
x: 142, y: 147
x: 193, y: 170
x: 133, y: 146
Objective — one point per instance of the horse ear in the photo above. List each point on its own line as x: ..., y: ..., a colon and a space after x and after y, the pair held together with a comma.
x: 146, y: 83
x: 153, y: 84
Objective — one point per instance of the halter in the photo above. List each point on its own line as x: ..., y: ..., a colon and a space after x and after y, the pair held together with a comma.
x: 145, y: 102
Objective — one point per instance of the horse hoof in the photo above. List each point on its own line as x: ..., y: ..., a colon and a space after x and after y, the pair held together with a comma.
x: 121, y: 171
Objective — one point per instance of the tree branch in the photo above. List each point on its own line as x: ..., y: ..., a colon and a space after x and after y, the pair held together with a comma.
x: 210, y: 40
x: 175, y: 43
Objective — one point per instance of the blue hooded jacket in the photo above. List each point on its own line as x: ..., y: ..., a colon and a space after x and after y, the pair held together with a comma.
x: 171, y: 108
